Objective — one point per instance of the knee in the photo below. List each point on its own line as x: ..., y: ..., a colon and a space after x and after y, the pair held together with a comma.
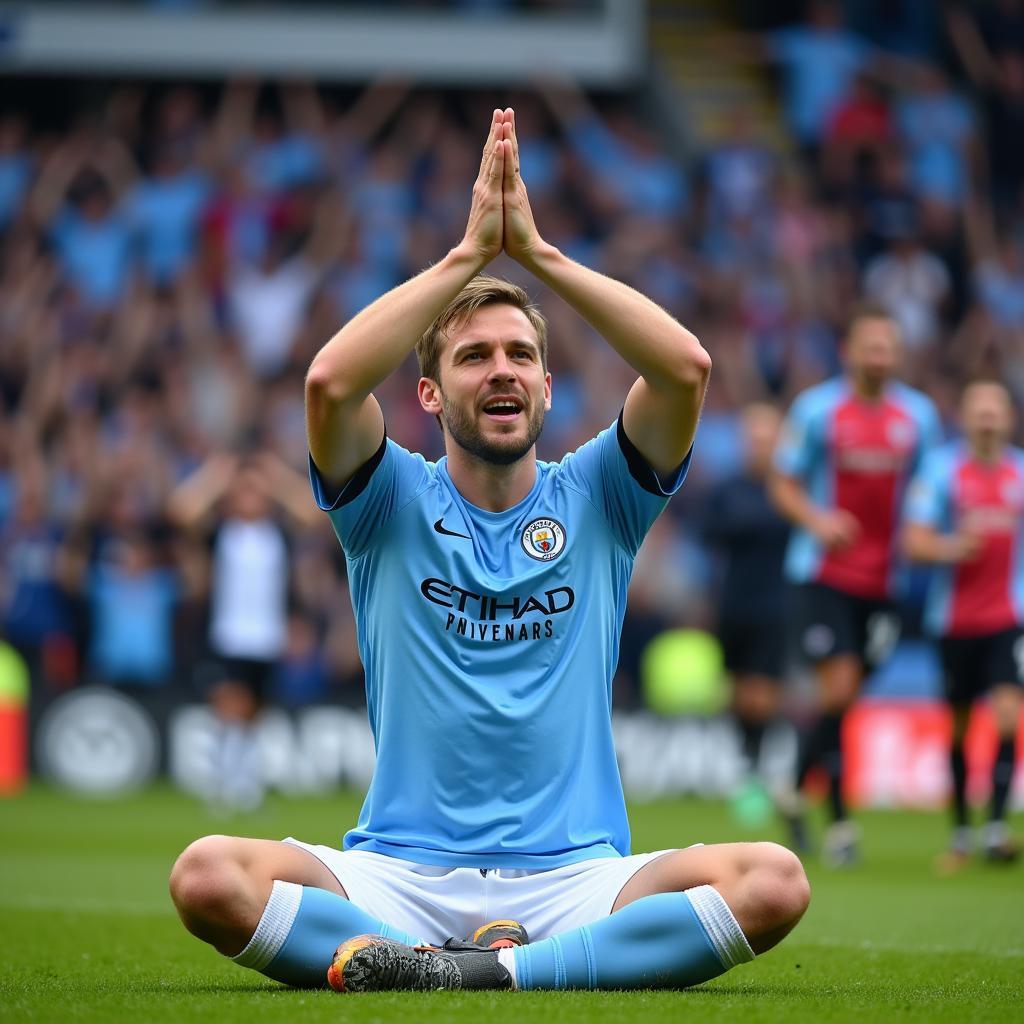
x: 202, y: 881
x: 783, y: 890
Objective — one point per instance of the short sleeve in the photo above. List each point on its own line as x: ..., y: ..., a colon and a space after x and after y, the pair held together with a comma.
x: 381, y: 488
x: 621, y: 484
x: 929, y: 432
x: 800, y: 441
x: 928, y: 495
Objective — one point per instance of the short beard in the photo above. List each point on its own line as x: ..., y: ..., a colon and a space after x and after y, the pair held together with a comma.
x: 466, y: 434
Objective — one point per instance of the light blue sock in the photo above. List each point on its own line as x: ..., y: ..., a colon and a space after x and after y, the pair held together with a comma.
x: 300, y: 929
x: 669, y: 940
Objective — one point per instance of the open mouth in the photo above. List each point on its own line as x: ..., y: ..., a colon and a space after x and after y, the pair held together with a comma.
x: 503, y: 410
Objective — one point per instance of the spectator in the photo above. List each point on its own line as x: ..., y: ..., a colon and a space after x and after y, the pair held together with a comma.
x: 629, y: 165
x: 820, y: 60
x: 858, y: 130
x: 166, y: 210
x: 991, y: 50
x: 998, y: 260
x: 938, y: 126
x: 738, y: 172
x: 280, y: 148
x: 16, y: 168
x: 78, y: 201
x: 36, y: 613
x: 132, y: 600
x: 268, y: 302
x: 248, y: 597
x: 912, y: 284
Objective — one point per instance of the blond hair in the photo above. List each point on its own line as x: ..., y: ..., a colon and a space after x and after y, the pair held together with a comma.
x: 483, y: 290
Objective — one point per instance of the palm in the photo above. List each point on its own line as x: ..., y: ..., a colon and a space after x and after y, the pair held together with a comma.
x: 489, y: 228
x: 519, y: 227
x: 500, y: 216
x: 520, y: 231
x: 485, y: 227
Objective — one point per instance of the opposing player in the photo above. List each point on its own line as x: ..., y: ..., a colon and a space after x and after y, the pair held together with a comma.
x: 847, y: 450
x: 965, y: 516
x: 489, y: 592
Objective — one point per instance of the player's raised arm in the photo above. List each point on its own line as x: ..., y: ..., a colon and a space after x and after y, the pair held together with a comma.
x: 344, y: 423
x: 663, y: 406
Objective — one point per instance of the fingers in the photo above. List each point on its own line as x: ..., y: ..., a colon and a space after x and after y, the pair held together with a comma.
x: 492, y: 169
x: 498, y: 163
x: 510, y: 170
x: 496, y: 121
x: 510, y: 119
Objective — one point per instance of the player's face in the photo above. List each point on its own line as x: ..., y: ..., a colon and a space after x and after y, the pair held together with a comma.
x: 986, y: 413
x: 873, y: 349
x: 494, y: 390
x: 761, y: 424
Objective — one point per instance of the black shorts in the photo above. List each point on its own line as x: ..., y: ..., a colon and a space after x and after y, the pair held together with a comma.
x: 972, y: 665
x: 829, y: 622
x: 754, y: 648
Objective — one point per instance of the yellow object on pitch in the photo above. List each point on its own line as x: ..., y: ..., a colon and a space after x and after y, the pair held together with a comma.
x: 682, y: 673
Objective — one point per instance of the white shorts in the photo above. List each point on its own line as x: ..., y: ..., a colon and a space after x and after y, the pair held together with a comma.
x: 434, y: 903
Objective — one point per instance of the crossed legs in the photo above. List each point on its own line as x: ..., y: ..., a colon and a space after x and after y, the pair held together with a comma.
x: 220, y: 885
x: 764, y: 885
x: 278, y: 909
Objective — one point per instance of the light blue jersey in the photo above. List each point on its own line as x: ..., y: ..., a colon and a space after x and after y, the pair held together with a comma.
x: 489, y: 641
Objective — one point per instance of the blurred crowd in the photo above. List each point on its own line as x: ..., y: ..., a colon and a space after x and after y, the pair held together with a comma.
x: 172, y: 257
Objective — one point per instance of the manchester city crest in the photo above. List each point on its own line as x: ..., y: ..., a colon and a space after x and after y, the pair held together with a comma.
x: 543, y: 539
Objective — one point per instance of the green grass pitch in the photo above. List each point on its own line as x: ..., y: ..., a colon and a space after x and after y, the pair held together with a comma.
x: 88, y: 932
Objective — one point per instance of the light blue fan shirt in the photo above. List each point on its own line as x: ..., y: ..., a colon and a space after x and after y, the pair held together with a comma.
x: 489, y: 641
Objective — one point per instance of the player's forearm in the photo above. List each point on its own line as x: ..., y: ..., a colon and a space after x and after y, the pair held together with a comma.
x: 793, y: 502
x: 923, y: 544
x: 654, y: 343
x: 374, y: 343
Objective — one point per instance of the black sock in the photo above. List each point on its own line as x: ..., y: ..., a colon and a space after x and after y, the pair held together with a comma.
x: 1002, y: 776
x: 808, y: 751
x: 958, y: 768
x: 822, y: 744
x: 752, y: 733
x: 832, y: 762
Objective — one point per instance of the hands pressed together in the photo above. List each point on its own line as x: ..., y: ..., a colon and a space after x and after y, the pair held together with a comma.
x: 500, y: 217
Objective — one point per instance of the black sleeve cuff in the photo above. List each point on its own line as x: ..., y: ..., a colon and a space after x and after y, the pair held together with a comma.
x: 641, y: 470
x: 356, y: 484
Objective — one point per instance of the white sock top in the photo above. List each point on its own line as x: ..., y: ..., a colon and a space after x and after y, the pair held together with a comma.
x: 722, y: 928
x: 507, y: 959
x: 275, y: 924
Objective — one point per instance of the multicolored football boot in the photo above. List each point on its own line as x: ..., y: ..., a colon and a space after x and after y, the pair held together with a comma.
x: 372, y: 963
x: 499, y: 934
